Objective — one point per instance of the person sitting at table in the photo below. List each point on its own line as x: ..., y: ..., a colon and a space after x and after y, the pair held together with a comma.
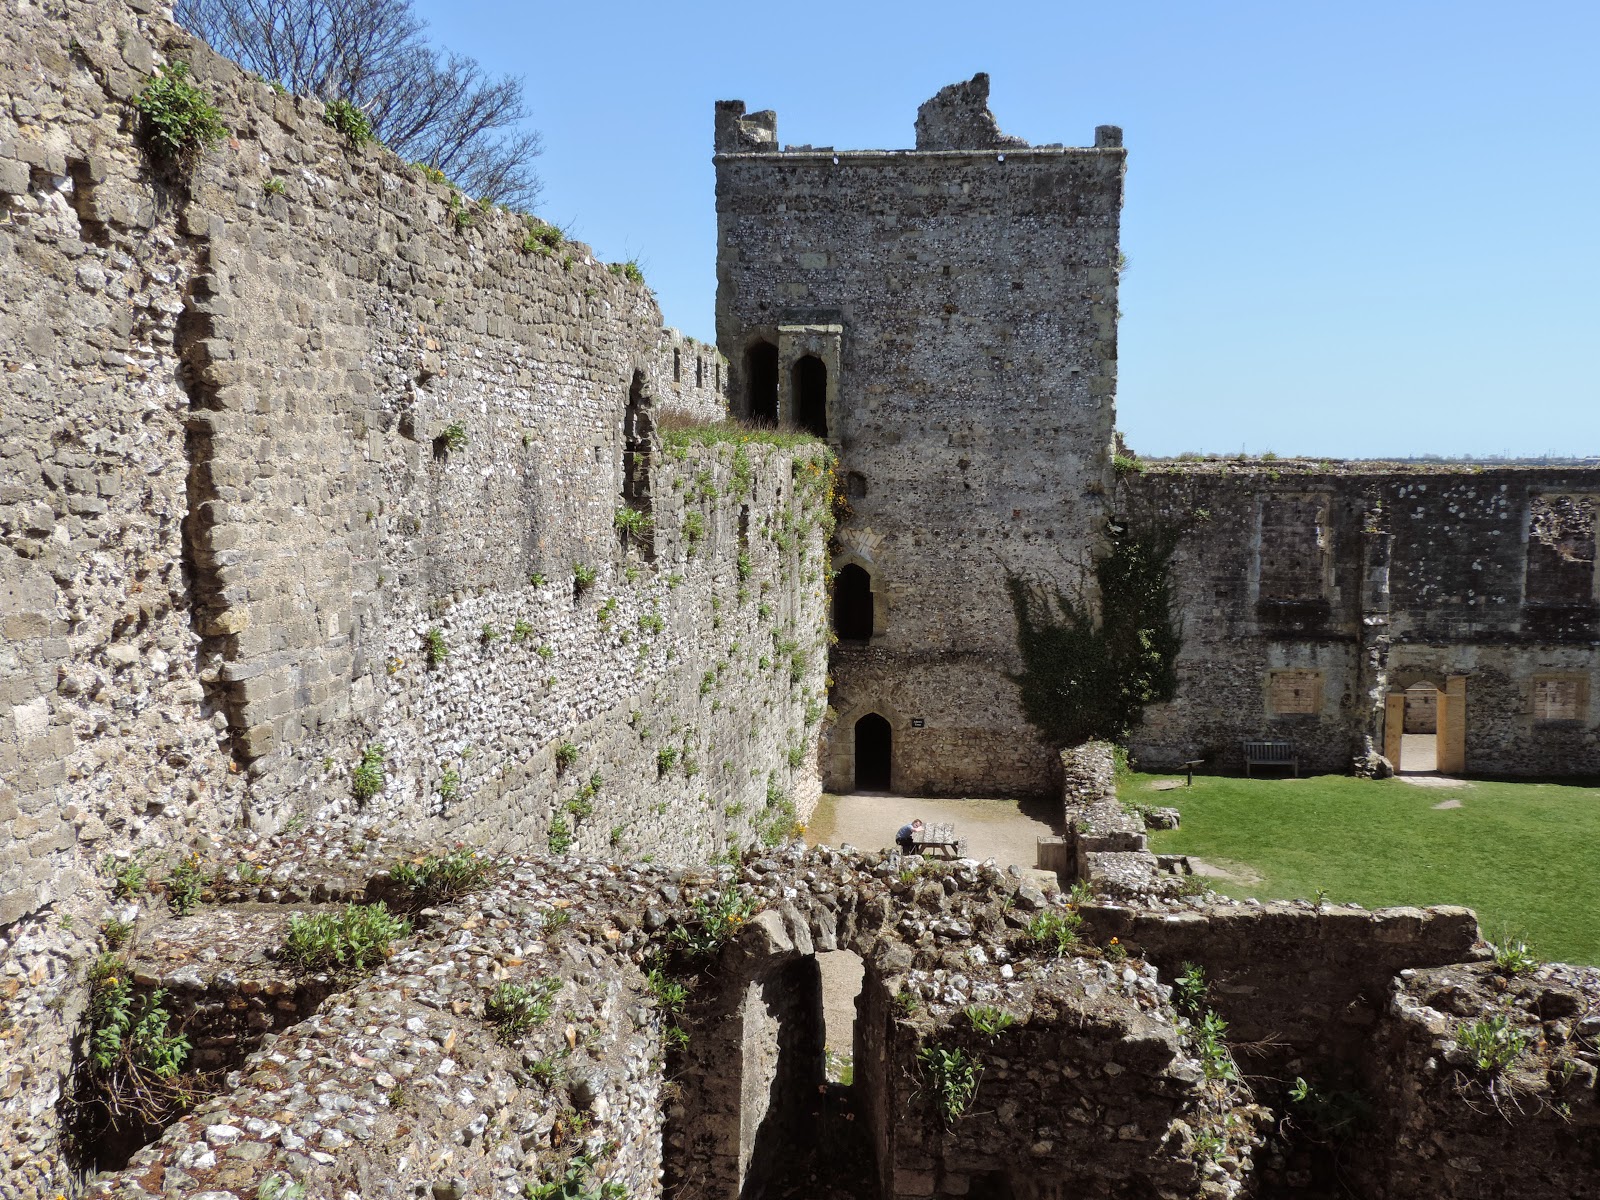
x: 907, y: 837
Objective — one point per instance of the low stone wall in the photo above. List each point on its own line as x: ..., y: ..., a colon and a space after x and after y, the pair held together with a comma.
x: 1092, y: 1092
x: 1106, y: 844
x: 1296, y: 983
x: 1097, y: 1086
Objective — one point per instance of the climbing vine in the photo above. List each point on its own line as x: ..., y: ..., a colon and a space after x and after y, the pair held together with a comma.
x: 1084, y: 678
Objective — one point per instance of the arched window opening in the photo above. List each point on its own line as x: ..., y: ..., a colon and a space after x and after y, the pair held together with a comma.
x: 874, y: 753
x: 761, y: 382
x: 852, y: 604
x: 810, y: 381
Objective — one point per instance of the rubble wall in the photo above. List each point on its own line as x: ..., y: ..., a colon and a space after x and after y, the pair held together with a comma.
x: 1443, y: 1125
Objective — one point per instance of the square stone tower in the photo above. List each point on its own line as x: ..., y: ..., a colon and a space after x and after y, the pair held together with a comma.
x: 947, y: 318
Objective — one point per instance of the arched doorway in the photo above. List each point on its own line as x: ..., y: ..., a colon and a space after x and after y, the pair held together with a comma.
x: 761, y: 382
x: 874, y: 753
x: 809, y: 380
x: 852, y: 604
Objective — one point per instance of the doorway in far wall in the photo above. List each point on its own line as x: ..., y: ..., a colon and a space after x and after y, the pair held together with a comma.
x: 874, y: 753
x: 1419, y: 738
x: 852, y: 604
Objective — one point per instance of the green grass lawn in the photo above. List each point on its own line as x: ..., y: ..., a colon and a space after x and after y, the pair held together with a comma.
x: 1522, y: 854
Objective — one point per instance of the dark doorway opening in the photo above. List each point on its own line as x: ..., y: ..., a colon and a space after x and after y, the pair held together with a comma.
x: 810, y: 379
x: 852, y: 604
x: 874, y: 746
x: 991, y: 1185
x: 761, y: 378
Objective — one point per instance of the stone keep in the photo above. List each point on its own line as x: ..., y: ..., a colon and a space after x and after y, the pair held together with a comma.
x: 946, y: 317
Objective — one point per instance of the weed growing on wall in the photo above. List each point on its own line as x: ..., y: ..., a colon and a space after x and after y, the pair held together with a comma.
x: 115, y: 933
x: 180, y: 120
x: 1082, y: 678
x: 988, y: 1020
x: 559, y: 838
x: 1052, y: 934
x: 713, y: 920
x: 513, y: 1008
x: 433, y: 879
x: 128, y: 878
x: 1329, y: 1116
x: 952, y: 1076
x: 349, y: 120
x: 367, y: 780
x: 1190, y: 995
x: 434, y: 648
x: 356, y: 939
x: 132, y: 1076
x: 183, y: 886
x: 631, y: 522
x: 1513, y: 955
x: 1492, y: 1043
x: 574, y: 1181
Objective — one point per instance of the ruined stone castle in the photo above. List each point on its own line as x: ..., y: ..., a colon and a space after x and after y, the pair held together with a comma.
x: 358, y: 530
x: 946, y: 317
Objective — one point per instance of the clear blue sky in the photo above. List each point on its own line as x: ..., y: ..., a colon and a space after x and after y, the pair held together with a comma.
x: 1354, y: 229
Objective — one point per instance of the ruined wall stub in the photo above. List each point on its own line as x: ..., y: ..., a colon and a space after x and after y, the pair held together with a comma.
x: 972, y: 283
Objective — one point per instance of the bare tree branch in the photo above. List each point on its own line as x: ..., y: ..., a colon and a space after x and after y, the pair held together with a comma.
x: 426, y: 104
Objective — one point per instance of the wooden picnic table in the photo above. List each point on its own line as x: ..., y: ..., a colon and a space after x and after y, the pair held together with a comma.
x: 941, y: 839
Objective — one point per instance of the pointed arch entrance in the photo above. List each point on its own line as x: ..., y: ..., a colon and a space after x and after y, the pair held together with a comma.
x: 874, y: 753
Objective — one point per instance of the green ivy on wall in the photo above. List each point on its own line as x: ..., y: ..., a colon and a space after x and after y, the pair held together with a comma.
x: 1083, y: 678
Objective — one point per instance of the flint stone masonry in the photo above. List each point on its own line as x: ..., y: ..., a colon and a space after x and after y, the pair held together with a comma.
x: 334, y: 469
x: 232, y: 515
x: 974, y: 292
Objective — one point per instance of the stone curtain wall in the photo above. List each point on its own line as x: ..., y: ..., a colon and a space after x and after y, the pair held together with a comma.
x: 236, y: 512
x: 974, y: 297
x: 233, y: 513
x: 691, y: 377
x: 1425, y: 576
x: 104, y: 727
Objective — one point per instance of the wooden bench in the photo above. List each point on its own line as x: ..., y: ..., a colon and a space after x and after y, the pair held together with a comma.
x: 941, y: 839
x: 1266, y: 752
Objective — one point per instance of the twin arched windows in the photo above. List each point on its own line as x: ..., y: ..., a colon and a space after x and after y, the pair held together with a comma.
x: 808, y: 389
